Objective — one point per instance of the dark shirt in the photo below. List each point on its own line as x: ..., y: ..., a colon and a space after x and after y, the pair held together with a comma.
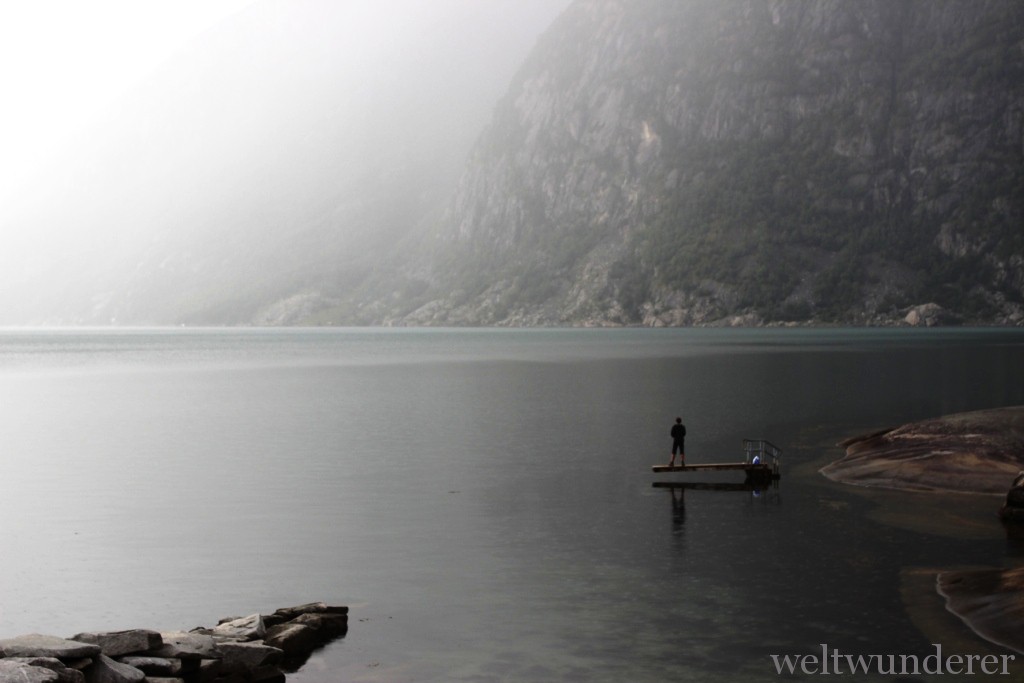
x: 678, y: 432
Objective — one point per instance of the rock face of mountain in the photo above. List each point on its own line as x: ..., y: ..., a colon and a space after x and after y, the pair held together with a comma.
x: 678, y: 162
x: 654, y: 162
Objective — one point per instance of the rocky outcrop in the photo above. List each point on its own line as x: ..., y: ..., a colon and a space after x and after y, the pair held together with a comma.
x: 694, y: 162
x: 989, y: 601
x: 930, y: 315
x: 975, y: 452
x: 1013, y: 508
x: 237, y: 650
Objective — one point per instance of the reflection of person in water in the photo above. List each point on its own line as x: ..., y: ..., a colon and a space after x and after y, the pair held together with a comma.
x: 678, y: 435
x: 678, y: 507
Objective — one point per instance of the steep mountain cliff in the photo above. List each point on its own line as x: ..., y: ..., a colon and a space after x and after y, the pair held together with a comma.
x: 653, y: 162
x: 674, y: 162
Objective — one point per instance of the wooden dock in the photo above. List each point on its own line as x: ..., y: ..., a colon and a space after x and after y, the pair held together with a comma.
x: 746, y: 485
x: 714, y: 466
x: 762, y: 462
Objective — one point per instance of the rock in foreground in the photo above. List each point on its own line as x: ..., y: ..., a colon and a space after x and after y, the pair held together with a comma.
x: 975, y: 452
x: 990, y: 601
x: 238, y: 650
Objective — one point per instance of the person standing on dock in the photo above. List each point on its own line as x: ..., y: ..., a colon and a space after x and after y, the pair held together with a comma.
x: 678, y: 434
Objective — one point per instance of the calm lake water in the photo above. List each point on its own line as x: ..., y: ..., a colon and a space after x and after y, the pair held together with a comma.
x: 483, y: 499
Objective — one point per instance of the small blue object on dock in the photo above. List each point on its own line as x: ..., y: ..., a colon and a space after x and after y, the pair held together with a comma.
x: 762, y: 461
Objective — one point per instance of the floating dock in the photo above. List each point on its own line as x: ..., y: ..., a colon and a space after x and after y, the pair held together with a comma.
x: 748, y: 485
x: 713, y: 466
x: 762, y: 462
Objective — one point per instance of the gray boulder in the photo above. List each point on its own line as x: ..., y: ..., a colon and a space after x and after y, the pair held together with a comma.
x: 14, y: 671
x: 118, y: 643
x: 295, y: 640
x: 64, y: 674
x: 248, y: 656
x: 288, y: 613
x: 37, y: 645
x: 244, y: 628
x: 930, y: 315
x: 153, y: 666
x: 181, y: 645
x: 330, y: 625
x: 307, y: 628
x: 106, y: 670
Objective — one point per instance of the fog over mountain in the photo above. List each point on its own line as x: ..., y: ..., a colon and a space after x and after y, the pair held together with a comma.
x: 284, y: 152
x: 599, y: 162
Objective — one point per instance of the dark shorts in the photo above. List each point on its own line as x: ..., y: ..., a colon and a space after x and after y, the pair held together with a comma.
x: 677, y: 445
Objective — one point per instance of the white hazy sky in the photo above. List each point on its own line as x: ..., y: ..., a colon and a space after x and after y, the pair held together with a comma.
x: 61, y: 61
x: 125, y: 123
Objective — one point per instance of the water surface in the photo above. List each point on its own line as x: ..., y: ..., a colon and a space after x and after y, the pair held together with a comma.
x: 482, y: 499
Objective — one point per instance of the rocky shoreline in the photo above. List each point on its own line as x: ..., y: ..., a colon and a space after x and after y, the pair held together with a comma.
x: 975, y: 452
x: 980, y: 452
x: 260, y: 648
x: 674, y: 310
x: 989, y: 601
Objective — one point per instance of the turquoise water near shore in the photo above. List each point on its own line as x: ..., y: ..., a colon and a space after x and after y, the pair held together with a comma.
x: 482, y: 499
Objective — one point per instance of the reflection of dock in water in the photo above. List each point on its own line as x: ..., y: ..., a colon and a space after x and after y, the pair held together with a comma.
x: 763, y: 491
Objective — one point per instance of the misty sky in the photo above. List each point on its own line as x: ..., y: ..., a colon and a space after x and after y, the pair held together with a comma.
x: 127, y: 122
x: 62, y: 61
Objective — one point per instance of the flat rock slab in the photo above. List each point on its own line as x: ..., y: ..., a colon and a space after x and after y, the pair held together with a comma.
x: 63, y: 672
x: 975, y: 452
x: 288, y: 613
x: 246, y: 656
x: 330, y: 624
x: 19, y: 672
x: 990, y: 602
x: 37, y: 645
x: 182, y: 645
x: 244, y: 628
x: 118, y: 643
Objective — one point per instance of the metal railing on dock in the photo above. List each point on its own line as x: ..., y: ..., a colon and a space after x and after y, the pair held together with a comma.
x: 763, y: 452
